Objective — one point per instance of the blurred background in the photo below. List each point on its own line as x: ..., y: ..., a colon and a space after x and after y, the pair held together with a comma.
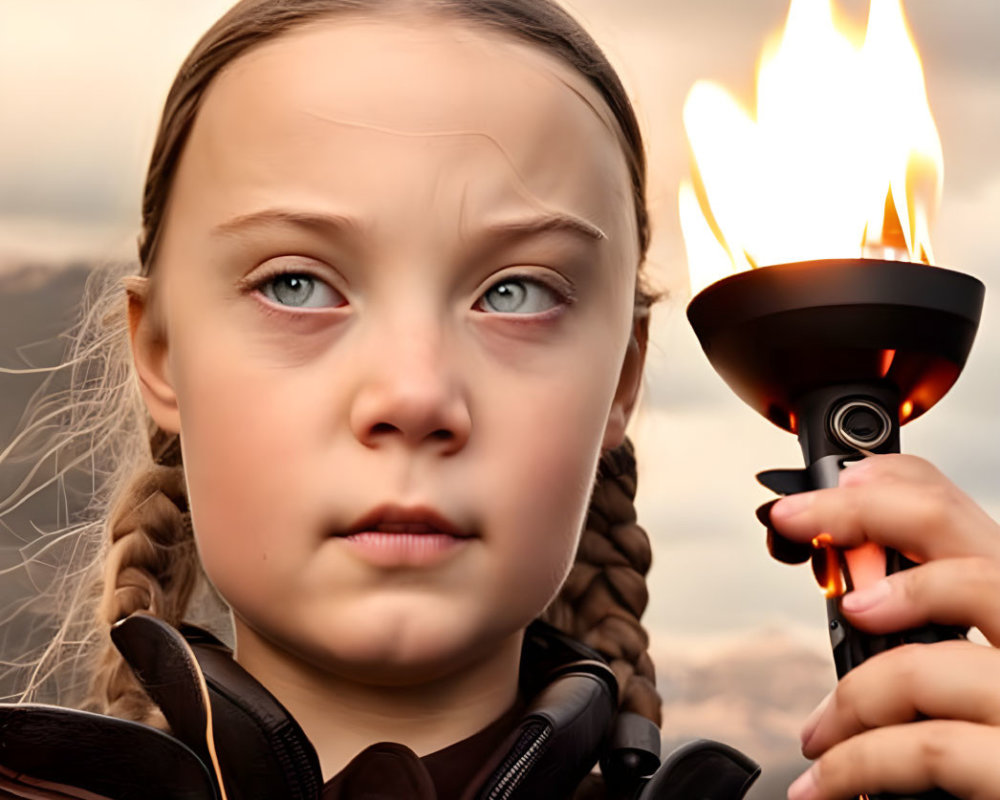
x: 739, y: 640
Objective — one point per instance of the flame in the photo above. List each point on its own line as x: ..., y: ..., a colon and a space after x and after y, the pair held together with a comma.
x: 841, y: 159
x: 826, y: 566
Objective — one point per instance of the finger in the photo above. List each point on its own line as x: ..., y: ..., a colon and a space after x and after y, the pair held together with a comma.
x: 786, y: 550
x: 959, y: 757
x: 892, y: 467
x: 931, y: 521
x: 780, y: 547
x: 947, y: 680
x: 953, y: 591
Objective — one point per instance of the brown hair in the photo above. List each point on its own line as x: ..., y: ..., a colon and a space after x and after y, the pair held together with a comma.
x: 152, y: 562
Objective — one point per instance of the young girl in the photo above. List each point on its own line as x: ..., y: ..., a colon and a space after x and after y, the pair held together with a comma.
x: 389, y: 326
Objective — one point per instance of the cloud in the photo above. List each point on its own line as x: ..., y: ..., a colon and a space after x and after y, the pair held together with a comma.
x: 752, y: 691
x: 80, y: 116
x: 960, y: 36
x: 53, y: 244
x: 697, y: 494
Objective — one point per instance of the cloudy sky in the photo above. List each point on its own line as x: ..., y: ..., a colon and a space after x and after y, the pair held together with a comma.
x: 81, y: 84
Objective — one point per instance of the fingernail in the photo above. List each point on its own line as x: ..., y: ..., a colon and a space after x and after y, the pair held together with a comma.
x: 764, y: 512
x: 786, y: 550
x: 805, y: 786
x: 790, y: 506
x: 812, y: 721
x: 869, y: 597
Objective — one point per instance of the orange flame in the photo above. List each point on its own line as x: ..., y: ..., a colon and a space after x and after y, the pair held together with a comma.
x: 827, y: 567
x: 842, y: 158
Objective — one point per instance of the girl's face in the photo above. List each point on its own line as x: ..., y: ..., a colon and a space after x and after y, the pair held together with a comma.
x: 395, y: 298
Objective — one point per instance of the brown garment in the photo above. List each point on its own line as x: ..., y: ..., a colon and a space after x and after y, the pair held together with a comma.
x: 390, y: 771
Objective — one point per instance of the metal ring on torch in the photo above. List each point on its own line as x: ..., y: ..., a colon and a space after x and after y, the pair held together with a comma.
x: 861, y: 423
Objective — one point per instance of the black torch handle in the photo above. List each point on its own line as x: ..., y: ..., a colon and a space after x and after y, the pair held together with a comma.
x: 851, y: 646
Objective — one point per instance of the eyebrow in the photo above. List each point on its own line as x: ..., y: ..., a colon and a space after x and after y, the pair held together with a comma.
x: 324, y: 222
x: 278, y: 216
x: 554, y: 221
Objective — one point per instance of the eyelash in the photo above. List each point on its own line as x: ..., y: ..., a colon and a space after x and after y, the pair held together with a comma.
x: 269, y: 307
x: 564, y: 296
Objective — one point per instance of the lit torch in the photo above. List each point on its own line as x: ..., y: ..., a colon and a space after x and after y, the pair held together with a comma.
x: 848, y: 333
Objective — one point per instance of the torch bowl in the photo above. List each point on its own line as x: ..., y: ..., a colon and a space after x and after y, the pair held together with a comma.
x: 778, y: 333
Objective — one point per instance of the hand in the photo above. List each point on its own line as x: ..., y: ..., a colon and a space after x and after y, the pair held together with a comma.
x: 859, y: 733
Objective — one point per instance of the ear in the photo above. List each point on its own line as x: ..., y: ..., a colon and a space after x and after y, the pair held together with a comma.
x: 629, y: 383
x: 149, y: 354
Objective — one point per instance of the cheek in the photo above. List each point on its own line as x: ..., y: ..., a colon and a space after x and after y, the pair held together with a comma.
x: 248, y: 452
x: 546, y: 447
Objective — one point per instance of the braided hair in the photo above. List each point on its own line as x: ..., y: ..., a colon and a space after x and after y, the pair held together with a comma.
x: 602, y: 600
x: 151, y: 565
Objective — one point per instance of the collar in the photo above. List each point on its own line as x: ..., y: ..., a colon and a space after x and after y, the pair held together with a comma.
x: 256, y: 749
x: 231, y: 740
x: 392, y: 770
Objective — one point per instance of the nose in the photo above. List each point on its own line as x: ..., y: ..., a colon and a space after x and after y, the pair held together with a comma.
x: 411, y: 393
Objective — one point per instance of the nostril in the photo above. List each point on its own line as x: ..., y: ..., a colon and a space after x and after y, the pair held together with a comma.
x: 440, y: 435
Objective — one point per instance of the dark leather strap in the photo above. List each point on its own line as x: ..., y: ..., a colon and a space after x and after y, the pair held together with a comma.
x: 705, y: 770
x: 264, y: 752
x: 101, y: 755
x: 163, y: 663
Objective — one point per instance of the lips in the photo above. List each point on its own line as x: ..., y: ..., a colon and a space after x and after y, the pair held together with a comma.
x: 398, y: 519
x: 393, y: 537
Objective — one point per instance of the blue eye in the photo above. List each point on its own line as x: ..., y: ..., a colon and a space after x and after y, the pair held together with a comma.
x: 299, y: 290
x: 519, y: 296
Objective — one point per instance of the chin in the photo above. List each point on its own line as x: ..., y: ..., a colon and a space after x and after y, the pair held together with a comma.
x: 405, y: 648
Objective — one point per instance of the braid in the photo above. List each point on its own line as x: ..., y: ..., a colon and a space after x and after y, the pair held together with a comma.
x: 605, y: 594
x: 152, y: 566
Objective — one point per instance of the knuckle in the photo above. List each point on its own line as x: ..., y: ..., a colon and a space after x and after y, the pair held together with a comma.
x: 936, y: 506
x: 912, y: 468
x: 920, y: 590
x: 891, y: 463
x: 854, y: 692
x: 830, y: 770
x: 896, y: 466
x: 920, y: 464
x: 905, y: 667
x: 844, y: 766
x: 934, y: 748
x: 855, y: 503
x: 912, y: 584
x: 915, y: 676
x: 908, y: 662
x: 848, y: 699
x: 980, y: 576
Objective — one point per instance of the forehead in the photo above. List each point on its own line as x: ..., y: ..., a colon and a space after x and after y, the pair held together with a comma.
x: 367, y: 89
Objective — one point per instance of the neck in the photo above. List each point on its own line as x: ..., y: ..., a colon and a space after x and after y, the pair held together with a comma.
x: 342, y: 716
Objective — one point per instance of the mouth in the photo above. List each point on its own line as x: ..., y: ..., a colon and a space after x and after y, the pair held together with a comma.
x: 418, y: 520
x: 394, y: 536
